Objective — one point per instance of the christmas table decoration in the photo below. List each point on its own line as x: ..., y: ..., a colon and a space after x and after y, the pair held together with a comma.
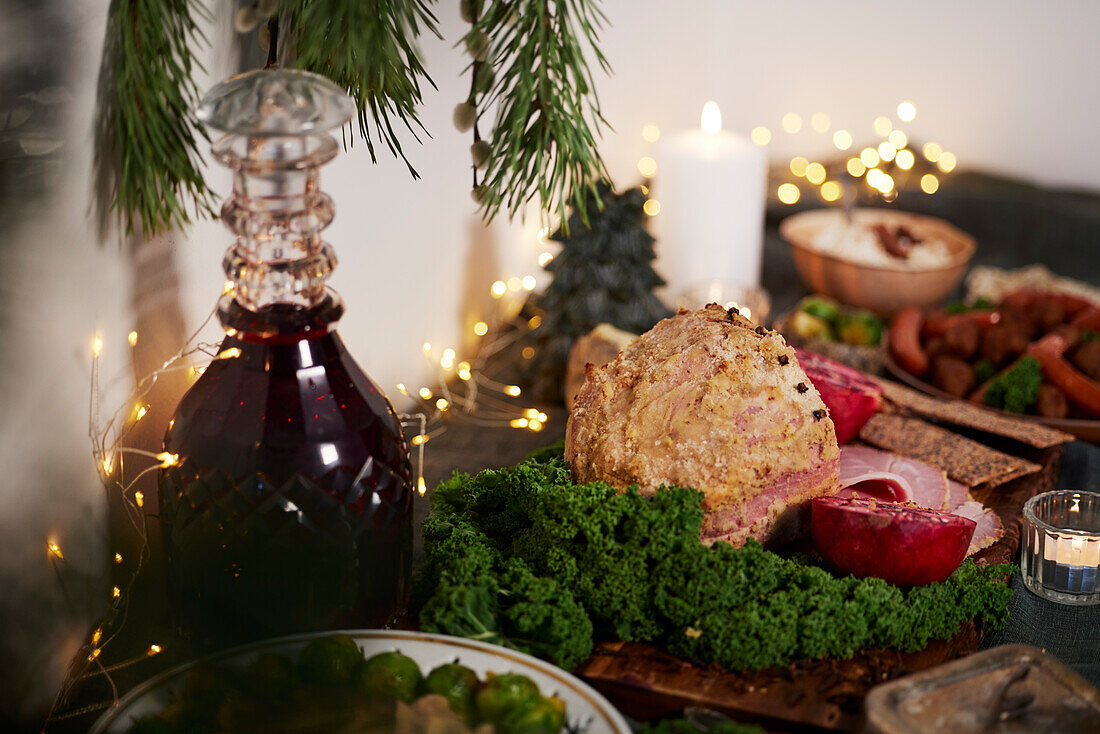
x: 287, y: 503
x: 603, y: 274
x: 1060, y: 560
x: 712, y: 186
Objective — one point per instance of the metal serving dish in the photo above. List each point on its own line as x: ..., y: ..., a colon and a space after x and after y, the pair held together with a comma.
x: 1008, y: 689
x: 585, y: 709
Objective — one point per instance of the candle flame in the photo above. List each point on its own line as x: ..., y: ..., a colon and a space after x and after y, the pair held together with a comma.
x: 711, y: 119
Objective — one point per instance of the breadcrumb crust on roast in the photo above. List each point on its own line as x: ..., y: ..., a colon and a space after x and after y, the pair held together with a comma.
x: 707, y: 399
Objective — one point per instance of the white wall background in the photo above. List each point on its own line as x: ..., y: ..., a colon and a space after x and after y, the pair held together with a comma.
x: 1008, y: 85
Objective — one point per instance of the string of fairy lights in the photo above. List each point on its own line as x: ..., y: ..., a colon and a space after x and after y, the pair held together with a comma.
x: 459, y: 384
x: 884, y: 167
x: 466, y: 386
x: 113, y: 459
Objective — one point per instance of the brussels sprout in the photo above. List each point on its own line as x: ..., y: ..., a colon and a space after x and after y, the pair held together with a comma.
x: 803, y: 324
x: 390, y: 675
x: 820, y: 307
x: 151, y: 725
x: 859, y: 327
x: 270, y: 676
x: 544, y: 716
x: 330, y: 659
x: 505, y: 696
x: 204, y: 692
x: 457, y: 684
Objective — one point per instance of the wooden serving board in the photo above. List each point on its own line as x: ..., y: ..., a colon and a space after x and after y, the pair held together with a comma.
x: 645, y: 682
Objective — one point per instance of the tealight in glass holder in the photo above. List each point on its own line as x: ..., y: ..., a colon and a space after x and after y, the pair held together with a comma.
x: 752, y: 302
x: 1060, y: 547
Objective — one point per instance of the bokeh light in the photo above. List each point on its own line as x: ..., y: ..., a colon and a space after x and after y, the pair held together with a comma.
x: 792, y: 122
x: 788, y: 193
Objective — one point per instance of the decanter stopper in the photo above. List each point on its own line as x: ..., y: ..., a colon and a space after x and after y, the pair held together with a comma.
x: 276, y: 124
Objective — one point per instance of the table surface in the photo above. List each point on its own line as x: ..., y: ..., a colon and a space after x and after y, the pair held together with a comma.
x: 1015, y: 224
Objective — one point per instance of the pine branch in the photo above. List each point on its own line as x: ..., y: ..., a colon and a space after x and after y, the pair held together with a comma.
x: 147, y: 137
x: 368, y: 48
x: 543, y: 140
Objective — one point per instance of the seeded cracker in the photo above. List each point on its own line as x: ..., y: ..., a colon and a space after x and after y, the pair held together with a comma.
x: 965, y: 414
x: 964, y: 460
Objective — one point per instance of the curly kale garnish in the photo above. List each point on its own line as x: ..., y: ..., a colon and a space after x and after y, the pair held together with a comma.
x: 1018, y: 388
x: 686, y: 726
x: 525, y: 558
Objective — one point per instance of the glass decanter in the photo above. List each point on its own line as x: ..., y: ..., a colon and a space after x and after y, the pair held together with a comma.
x: 289, y: 505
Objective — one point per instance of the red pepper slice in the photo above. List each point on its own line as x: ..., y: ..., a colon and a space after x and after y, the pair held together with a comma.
x: 1063, y: 375
x: 938, y: 323
x: 905, y: 343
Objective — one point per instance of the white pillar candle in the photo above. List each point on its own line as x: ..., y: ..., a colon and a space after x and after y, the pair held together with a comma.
x: 712, y: 187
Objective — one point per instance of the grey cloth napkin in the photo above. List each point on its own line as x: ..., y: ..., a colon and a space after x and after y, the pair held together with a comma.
x: 1069, y: 633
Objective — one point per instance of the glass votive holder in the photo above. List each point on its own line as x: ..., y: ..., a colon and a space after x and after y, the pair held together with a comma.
x: 753, y: 302
x: 1060, y: 546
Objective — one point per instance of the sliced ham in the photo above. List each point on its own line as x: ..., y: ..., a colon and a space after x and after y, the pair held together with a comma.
x: 877, y: 485
x: 860, y: 480
x: 957, y: 494
x: 867, y: 472
x: 989, y: 528
x: 880, y: 474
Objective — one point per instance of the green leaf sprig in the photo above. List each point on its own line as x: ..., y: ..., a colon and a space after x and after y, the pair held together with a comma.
x: 147, y: 137
x: 369, y: 49
x: 536, y: 75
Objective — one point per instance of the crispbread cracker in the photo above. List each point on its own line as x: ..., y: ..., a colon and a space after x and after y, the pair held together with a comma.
x: 964, y: 460
x: 962, y: 413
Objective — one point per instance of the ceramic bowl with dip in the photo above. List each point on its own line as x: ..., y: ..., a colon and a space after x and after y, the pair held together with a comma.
x: 878, y: 259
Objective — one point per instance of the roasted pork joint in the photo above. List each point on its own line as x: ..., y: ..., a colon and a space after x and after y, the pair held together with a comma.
x: 707, y: 399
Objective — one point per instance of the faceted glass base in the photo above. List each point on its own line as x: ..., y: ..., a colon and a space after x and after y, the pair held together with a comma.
x: 250, y: 560
x: 1060, y: 546
x: 290, y: 509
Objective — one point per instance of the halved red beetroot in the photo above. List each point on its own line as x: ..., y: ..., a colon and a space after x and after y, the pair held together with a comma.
x: 903, y: 544
x: 851, y: 397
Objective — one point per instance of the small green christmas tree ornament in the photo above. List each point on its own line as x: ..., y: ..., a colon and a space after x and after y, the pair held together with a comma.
x: 603, y: 274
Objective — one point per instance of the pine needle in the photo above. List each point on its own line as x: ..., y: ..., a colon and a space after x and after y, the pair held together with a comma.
x: 147, y: 157
x: 369, y: 49
x: 543, y: 141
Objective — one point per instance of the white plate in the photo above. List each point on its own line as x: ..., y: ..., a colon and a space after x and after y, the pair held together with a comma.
x: 584, y: 707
